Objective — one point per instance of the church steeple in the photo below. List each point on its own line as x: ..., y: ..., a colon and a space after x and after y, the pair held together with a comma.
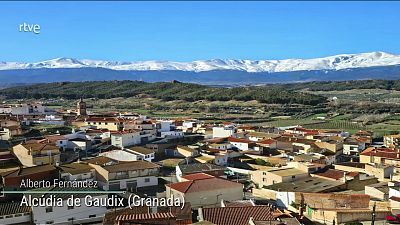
x: 81, y: 107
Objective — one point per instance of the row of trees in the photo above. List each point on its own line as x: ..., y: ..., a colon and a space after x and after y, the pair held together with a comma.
x: 344, y: 85
x: 161, y: 90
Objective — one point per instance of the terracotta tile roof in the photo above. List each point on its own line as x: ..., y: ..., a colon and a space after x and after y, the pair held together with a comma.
x: 96, y: 131
x: 29, y: 170
x: 241, y: 203
x: 101, y: 160
x: 199, y: 167
x: 352, y: 174
x: 54, y: 138
x: 267, y: 141
x: 363, y: 139
x: 244, y: 127
x: 304, y: 130
x: 197, y: 176
x: 110, y: 216
x: 337, y: 174
x: 331, y: 173
x: 13, y: 208
x: 131, y: 131
x: 130, y: 166
x: 76, y: 168
x: 38, y: 147
x: 240, y: 140
x: 215, y: 140
x: 181, y: 186
x: 175, y: 214
x: 388, y: 153
x: 144, y: 216
x: 203, y: 185
x: 237, y: 215
x: 142, y: 150
x: 395, y: 198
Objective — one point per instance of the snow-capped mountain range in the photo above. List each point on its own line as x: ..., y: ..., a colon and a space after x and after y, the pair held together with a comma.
x: 338, y: 62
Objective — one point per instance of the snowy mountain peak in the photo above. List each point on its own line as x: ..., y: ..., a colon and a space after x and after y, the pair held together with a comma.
x: 338, y: 62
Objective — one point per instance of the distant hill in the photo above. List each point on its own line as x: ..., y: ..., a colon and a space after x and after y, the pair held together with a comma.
x: 215, y: 77
x: 340, y: 85
x: 162, y: 90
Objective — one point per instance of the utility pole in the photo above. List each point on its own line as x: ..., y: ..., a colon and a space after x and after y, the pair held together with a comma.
x: 373, y: 214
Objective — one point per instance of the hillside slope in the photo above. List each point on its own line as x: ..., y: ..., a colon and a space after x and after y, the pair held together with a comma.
x: 162, y: 90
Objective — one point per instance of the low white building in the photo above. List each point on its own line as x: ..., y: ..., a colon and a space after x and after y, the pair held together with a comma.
x: 225, y: 131
x: 127, y: 175
x: 69, y: 214
x: 76, y: 141
x: 165, y: 125
x: 143, y: 153
x: 132, y: 154
x: 241, y: 144
x: 125, y: 138
x: 120, y: 155
x: 352, y: 147
x: 175, y: 133
x: 23, y: 109
x: 77, y: 171
x: 13, y: 213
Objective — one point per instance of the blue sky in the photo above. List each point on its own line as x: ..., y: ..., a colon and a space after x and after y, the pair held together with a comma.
x: 185, y: 31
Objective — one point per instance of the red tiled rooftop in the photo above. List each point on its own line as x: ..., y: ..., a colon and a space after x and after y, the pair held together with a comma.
x: 145, y: 216
x: 237, y: 215
x: 54, y: 138
x: 352, y: 174
x: 333, y: 174
x: 395, y: 198
x: 242, y: 203
x: 337, y: 174
x: 246, y: 127
x: 97, y: 131
x: 215, y: 140
x: 197, y: 176
x: 267, y: 141
x: 382, y: 152
x: 240, y: 140
x: 362, y: 139
x: 124, y: 132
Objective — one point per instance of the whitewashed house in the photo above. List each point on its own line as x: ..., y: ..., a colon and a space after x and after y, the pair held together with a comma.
x: 174, y: 133
x: 13, y: 213
x: 225, y: 131
x: 126, y: 175
x: 142, y: 153
x: 125, y: 138
x: 241, y: 144
x: 69, y: 214
x: 77, y: 171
